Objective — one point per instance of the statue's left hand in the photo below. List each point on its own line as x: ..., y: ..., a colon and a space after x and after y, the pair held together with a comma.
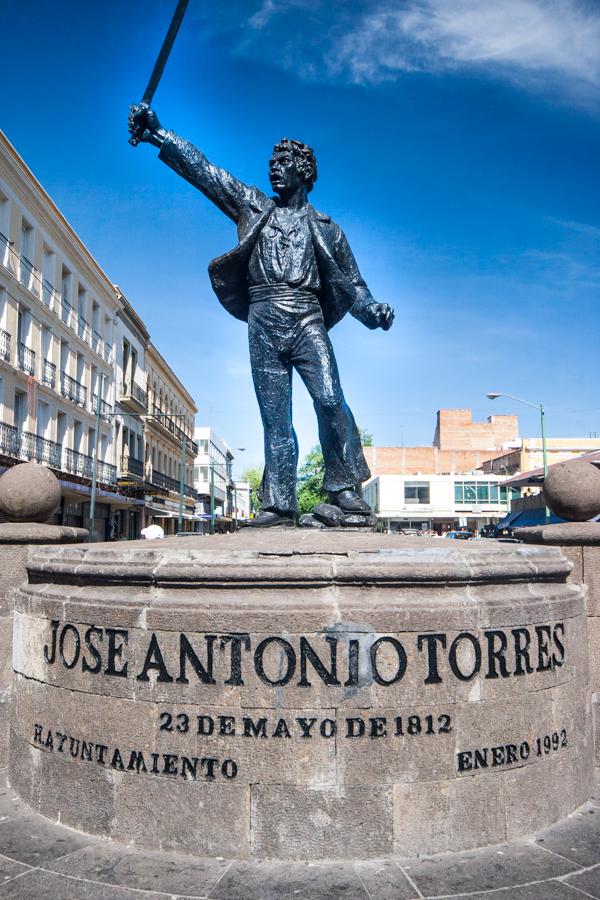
x: 378, y: 315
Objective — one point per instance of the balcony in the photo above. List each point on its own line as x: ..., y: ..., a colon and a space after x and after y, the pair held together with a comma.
x: 172, y: 484
x: 132, y: 466
x: 82, y: 465
x: 10, y: 441
x: 48, y: 293
x: 4, y: 345
x: 33, y: 447
x: 105, y: 408
x: 27, y: 273
x: 83, y: 328
x: 133, y: 397
x: 5, y: 246
x: 48, y: 373
x: 77, y: 463
x: 40, y: 449
x: 73, y: 390
x: 66, y: 311
x: 106, y: 473
x: 26, y: 358
x: 169, y: 424
x: 25, y: 445
x: 96, y: 341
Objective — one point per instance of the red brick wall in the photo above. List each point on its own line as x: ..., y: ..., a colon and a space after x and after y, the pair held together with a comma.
x: 456, y: 431
x: 460, y: 445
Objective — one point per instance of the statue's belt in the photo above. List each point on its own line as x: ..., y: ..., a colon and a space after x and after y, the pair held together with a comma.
x: 258, y: 293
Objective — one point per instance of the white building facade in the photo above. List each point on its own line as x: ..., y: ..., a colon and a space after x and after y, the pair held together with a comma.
x: 213, y: 478
x: 437, y: 502
x: 81, y: 385
x: 57, y: 317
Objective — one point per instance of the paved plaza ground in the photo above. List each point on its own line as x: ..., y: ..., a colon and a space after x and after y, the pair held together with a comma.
x: 41, y: 859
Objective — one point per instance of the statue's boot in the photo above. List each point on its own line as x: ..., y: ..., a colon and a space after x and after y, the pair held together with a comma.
x: 349, y: 502
x: 268, y: 518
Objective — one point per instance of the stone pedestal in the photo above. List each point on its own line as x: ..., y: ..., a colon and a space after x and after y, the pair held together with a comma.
x: 15, y: 540
x: 299, y: 695
x: 580, y: 543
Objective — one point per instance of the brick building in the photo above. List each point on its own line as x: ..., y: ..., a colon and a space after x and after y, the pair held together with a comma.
x: 460, y: 445
x: 438, y: 487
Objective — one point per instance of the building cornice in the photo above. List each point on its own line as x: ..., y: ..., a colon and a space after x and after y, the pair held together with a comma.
x: 39, y: 203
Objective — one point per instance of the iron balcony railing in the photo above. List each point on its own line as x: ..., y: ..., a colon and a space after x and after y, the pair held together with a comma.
x: 96, y: 341
x: 78, y: 463
x: 73, y: 390
x: 132, y: 466
x: 83, y: 465
x: 35, y: 447
x: 48, y: 293
x: 131, y: 389
x: 25, y: 445
x: 48, y: 373
x: 4, y: 245
x: 66, y: 311
x: 10, y: 442
x: 169, y: 423
x: 105, y: 408
x: 172, y: 484
x: 106, y: 473
x: 82, y: 327
x: 27, y: 272
x: 26, y: 358
x: 4, y: 345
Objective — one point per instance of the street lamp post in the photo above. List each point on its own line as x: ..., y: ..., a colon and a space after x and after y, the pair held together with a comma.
x: 181, y: 485
x: 211, y: 527
x: 540, y: 409
x: 507, y: 489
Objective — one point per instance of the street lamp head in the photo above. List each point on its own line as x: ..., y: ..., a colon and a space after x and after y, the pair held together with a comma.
x: 493, y: 396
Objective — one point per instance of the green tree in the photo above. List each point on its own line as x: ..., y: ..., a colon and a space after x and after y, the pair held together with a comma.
x: 254, y: 477
x: 310, y: 475
x: 310, y: 480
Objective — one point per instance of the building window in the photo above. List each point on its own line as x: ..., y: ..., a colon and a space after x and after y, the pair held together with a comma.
x: 481, y: 493
x: 416, y: 492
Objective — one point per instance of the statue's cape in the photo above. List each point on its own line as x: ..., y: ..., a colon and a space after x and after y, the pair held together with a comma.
x: 229, y: 273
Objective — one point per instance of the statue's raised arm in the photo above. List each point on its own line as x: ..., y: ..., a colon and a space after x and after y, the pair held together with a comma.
x: 221, y: 187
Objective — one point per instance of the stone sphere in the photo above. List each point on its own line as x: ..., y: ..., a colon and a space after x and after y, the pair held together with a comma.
x: 572, y: 490
x: 29, y: 493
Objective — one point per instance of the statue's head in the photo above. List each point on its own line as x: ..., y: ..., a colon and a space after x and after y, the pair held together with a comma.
x: 292, y: 165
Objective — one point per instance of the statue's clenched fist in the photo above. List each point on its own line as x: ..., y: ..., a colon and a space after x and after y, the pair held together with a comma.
x: 378, y: 315
x: 144, y: 125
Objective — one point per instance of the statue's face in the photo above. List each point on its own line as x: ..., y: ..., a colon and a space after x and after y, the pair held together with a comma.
x: 283, y: 175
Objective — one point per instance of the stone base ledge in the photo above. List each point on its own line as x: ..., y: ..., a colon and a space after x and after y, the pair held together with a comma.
x: 39, y: 533
x: 565, y: 533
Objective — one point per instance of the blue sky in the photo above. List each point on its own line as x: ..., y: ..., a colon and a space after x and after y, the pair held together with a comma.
x: 458, y: 145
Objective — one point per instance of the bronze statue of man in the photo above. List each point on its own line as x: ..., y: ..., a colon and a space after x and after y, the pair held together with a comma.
x: 292, y: 277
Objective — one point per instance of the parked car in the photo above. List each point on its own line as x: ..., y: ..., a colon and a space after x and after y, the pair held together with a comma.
x: 460, y: 535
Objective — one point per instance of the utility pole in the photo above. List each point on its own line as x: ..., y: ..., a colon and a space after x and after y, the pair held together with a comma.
x: 95, y: 460
x: 182, y: 484
x: 212, y: 498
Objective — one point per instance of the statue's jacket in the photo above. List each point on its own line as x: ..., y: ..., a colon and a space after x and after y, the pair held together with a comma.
x: 342, y: 286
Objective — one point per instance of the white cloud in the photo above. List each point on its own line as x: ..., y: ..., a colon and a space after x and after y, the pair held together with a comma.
x: 547, y: 44
x: 513, y: 37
